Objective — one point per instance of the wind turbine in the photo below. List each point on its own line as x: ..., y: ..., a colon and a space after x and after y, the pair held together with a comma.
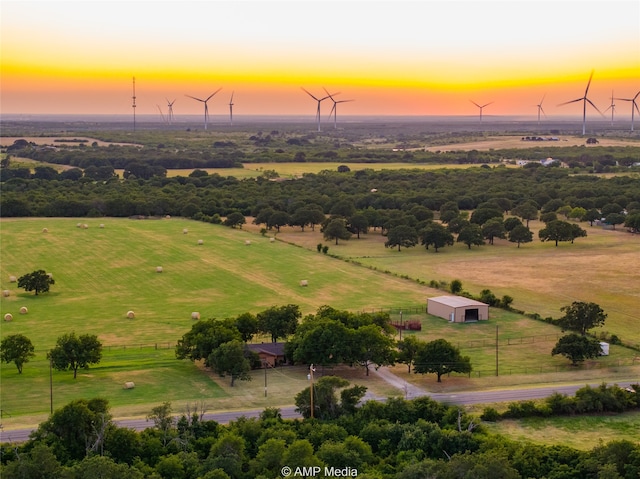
x: 206, y: 108
x: 231, y: 110
x: 539, y: 105
x: 164, y: 120
x: 611, y: 107
x: 584, y: 101
x: 319, y: 100
x: 170, y: 113
x: 334, y: 110
x: 634, y: 106
x: 481, y: 107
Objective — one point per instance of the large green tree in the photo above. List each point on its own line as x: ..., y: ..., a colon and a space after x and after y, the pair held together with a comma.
x: 408, y: 350
x: 440, y: 357
x: 471, y: 235
x: 204, y: 337
x: 279, y: 321
x: 401, y: 236
x: 16, y: 348
x: 577, y: 348
x: 581, y: 316
x: 230, y: 358
x: 336, y: 229
x: 38, y: 281
x: 74, y: 352
x: 372, y: 346
x: 557, y: 231
x: 493, y: 228
x: 436, y: 235
x: 520, y: 234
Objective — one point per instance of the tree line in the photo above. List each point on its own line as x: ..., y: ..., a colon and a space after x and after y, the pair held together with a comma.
x: 395, y: 439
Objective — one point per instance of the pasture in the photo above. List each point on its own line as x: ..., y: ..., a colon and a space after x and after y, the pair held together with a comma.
x: 101, y: 273
x: 603, y: 268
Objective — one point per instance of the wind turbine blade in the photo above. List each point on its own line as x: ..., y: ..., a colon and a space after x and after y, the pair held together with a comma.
x: 542, y: 99
x: 199, y: 99
x: 328, y: 93
x: 571, y: 101
x: 636, y: 95
x: 332, y: 110
x: 209, y: 98
x: 309, y: 94
x: 543, y: 112
x: 588, y: 84
x: 487, y: 104
x: 593, y: 105
x: 344, y: 101
x: 475, y: 103
x: 231, y: 101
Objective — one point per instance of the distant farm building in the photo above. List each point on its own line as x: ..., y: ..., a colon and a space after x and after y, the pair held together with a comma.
x: 457, y: 309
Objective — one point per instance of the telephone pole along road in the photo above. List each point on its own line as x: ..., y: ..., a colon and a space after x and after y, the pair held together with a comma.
x: 410, y: 392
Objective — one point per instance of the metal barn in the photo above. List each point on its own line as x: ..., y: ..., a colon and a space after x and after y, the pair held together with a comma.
x: 457, y: 309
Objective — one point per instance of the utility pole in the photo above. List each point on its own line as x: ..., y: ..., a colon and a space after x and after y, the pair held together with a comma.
x: 496, y: 350
x: 265, y: 377
x: 311, y: 371
x: 51, y: 384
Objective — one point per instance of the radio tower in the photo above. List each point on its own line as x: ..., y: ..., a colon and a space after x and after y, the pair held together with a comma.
x: 134, y: 103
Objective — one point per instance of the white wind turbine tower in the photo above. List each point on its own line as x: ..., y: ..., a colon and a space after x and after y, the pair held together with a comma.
x: 334, y: 110
x: 539, y: 105
x: 611, y: 107
x: 319, y: 100
x: 206, y: 108
x: 634, y: 106
x: 170, y: 112
x: 231, y: 109
x: 481, y: 107
x: 584, y: 101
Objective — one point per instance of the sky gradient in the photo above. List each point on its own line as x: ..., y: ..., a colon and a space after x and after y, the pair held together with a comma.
x: 392, y: 57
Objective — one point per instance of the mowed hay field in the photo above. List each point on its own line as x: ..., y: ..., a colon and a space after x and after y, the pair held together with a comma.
x: 603, y: 268
x: 102, y: 273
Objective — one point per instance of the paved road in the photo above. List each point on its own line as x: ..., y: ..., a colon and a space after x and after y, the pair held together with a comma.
x: 410, y: 391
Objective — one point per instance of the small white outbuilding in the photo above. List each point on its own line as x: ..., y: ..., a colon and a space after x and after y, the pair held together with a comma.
x: 457, y: 309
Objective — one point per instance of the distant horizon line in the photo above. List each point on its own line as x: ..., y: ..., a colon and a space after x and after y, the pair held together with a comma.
x: 153, y: 118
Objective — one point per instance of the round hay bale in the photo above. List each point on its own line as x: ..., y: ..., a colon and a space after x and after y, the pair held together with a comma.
x: 272, y: 240
x: 12, y: 279
x: 129, y: 385
x: 168, y: 217
x: 195, y: 315
x: 45, y: 230
x: 247, y: 242
x: 304, y: 282
x: 24, y: 310
x: 85, y: 226
x: 158, y: 269
x: 78, y: 225
x: 6, y: 293
x: 200, y: 242
x: 131, y: 314
x: 101, y: 225
x: 185, y: 231
x: 50, y: 275
x: 8, y: 317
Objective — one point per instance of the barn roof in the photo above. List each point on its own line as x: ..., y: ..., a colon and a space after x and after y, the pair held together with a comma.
x: 456, y: 301
x: 272, y: 349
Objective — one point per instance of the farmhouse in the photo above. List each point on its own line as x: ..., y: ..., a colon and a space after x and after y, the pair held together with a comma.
x: 270, y: 353
x: 457, y: 309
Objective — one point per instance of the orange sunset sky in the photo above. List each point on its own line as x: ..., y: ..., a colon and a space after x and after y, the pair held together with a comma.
x: 392, y: 57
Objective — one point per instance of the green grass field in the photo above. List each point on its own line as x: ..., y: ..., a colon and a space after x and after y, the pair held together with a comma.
x: 101, y: 273
x: 603, y: 268
x: 575, y: 432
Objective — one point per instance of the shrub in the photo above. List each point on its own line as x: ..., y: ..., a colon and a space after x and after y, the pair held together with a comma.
x: 490, y: 414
